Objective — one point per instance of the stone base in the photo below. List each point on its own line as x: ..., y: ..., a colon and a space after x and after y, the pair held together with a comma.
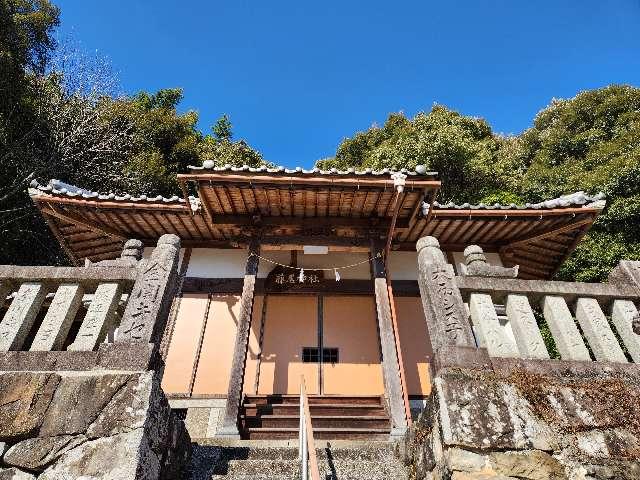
x: 523, y: 424
x: 89, y: 425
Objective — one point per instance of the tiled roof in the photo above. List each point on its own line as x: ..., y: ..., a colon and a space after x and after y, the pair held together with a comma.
x: 573, y: 200
x: 59, y: 188
x: 577, y: 199
x: 315, y: 171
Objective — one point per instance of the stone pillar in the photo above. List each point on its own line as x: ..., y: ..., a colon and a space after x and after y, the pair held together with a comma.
x: 444, y: 310
x: 18, y: 320
x: 595, y: 327
x: 484, y: 315
x: 229, y: 428
x: 57, y: 322
x: 525, y: 328
x: 99, y: 318
x: 150, y: 299
x: 564, y: 330
x: 628, y: 272
x: 390, y: 363
x: 623, y: 315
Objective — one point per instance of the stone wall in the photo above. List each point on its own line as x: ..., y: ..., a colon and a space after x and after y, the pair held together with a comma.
x: 88, y: 424
x: 530, y: 420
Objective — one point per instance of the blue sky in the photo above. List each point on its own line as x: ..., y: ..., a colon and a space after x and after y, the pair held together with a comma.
x: 297, y: 77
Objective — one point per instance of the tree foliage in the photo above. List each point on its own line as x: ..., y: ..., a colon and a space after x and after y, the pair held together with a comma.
x: 590, y: 142
x: 62, y: 116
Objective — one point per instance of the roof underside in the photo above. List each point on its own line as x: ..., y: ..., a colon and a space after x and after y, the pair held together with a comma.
x: 289, y: 210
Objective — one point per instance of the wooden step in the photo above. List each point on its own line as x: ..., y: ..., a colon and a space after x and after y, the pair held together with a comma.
x: 314, y: 399
x: 340, y: 421
x: 320, y: 433
x: 339, y: 409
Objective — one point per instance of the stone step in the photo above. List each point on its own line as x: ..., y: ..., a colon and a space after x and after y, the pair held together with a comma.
x: 321, y: 433
x: 329, y: 409
x: 335, y: 469
x: 326, y: 421
x: 374, y: 451
x: 314, y: 399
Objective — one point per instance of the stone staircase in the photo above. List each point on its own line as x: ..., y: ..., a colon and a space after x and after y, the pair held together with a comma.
x: 278, y: 460
x: 272, y: 417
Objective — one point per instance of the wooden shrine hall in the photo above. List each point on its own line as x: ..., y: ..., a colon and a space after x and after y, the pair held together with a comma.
x: 287, y: 273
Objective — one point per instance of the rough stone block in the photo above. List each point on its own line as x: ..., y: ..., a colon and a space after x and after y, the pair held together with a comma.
x: 24, y: 400
x: 530, y: 465
x: 36, y: 453
x: 15, y: 474
x: 78, y: 401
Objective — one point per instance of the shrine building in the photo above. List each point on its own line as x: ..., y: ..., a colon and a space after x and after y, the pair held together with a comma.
x: 286, y: 274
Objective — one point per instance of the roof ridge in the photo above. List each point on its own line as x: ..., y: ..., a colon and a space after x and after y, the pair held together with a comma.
x: 579, y: 198
x: 420, y: 170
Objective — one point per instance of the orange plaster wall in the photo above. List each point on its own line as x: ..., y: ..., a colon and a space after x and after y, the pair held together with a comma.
x: 216, y: 355
x: 414, y: 344
x: 291, y: 323
x: 184, y: 343
x: 349, y: 323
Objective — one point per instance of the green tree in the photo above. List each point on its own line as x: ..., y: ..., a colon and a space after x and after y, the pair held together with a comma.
x: 463, y: 150
x: 590, y: 142
x: 222, y: 128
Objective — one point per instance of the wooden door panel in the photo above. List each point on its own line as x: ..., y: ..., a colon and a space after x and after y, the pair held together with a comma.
x: 291, y: 323
x: 350, y: 324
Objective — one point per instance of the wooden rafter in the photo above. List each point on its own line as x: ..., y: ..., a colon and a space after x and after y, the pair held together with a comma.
x: 73, y: 218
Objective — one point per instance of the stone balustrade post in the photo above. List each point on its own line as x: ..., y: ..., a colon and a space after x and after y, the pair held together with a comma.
x: 150, y: 299
x: 444, y: 309
x: 628, y: 272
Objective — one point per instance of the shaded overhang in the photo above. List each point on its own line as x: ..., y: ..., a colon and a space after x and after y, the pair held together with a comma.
x: 291, y: 208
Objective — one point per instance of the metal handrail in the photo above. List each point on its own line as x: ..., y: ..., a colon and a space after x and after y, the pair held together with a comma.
x: 306, y: 443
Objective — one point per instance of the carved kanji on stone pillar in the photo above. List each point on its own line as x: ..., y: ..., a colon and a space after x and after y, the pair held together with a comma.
x: 150, y: 299
x: 444, y: 310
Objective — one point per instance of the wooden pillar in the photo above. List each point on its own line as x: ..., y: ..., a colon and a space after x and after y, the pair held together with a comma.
x: 390, y: 364
x: 229, y: 428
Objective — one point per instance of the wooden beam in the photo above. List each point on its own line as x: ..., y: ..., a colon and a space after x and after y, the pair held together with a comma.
x: 550, y: 232
x: 229, y: 427
x: 390, y: 362
x: 287, y: 221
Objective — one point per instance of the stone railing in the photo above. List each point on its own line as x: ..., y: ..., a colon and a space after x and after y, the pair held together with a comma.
x: 488, y: 307
x: 113, y: 301
x: 504, y: 405
x: 80, y: 370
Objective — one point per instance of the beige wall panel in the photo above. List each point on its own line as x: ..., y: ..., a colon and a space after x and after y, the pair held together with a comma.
x: 403, y: 265
x: 414, y: 343
x: 291, y: 324
x: 349, y: 323
x: 214, y: 367
x: 184, y: 343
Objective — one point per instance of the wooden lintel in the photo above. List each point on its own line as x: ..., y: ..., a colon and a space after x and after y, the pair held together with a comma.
x: 285, y: 221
